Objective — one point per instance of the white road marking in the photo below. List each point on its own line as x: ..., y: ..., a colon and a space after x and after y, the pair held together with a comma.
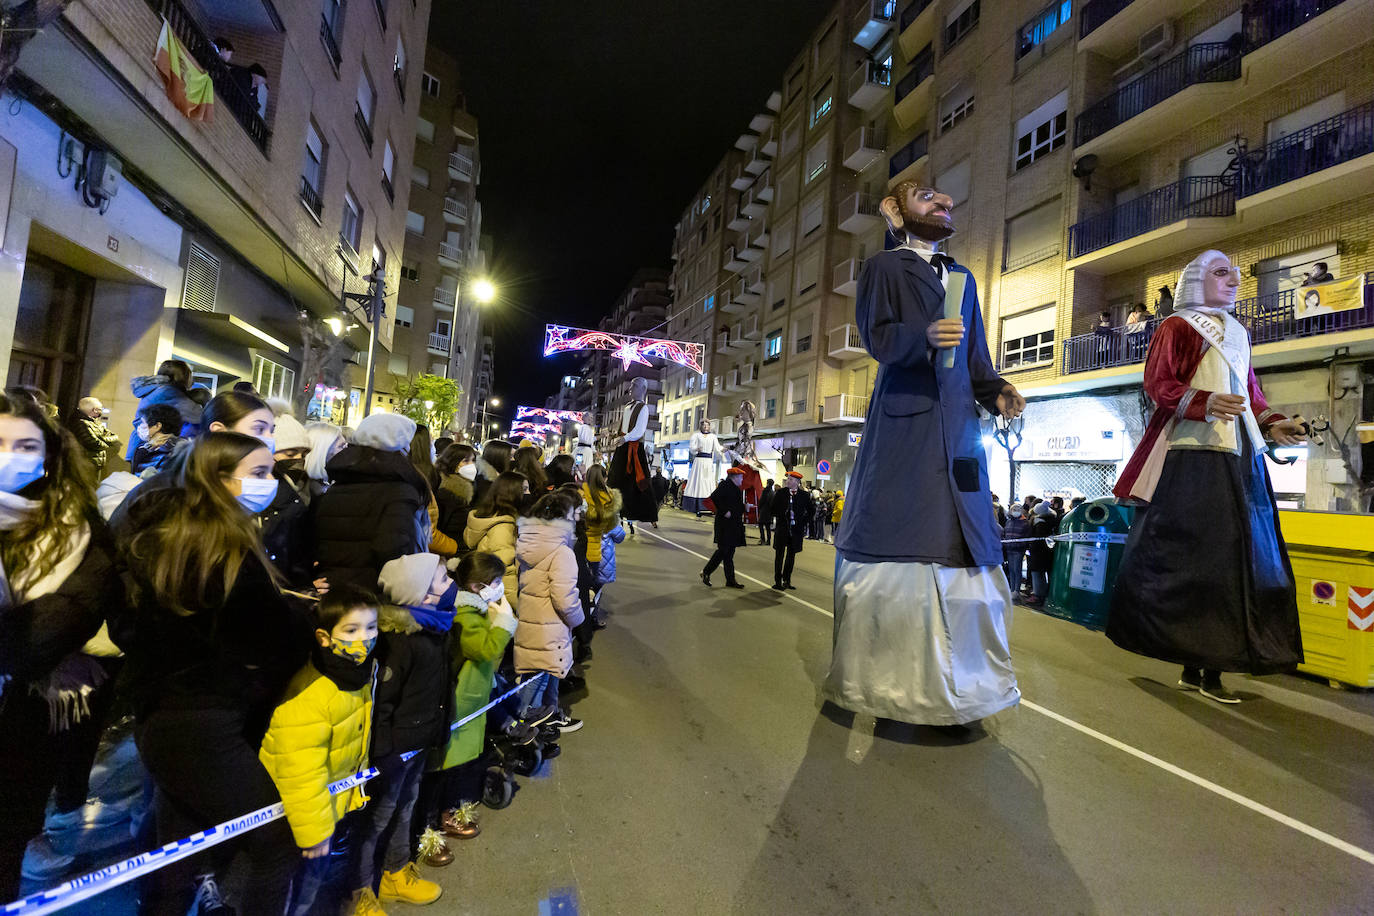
x: 739, y: 575
x: 1320, y: 836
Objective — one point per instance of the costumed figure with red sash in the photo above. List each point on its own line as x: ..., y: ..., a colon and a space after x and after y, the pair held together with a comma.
x: 1205, y: 580
x: 629, y: 470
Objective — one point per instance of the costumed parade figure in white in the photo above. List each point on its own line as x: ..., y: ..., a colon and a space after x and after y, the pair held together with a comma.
x: 584, y: 452
x: 629, y: 470
x: 922, y: 606
x: 701, y: 479
x: 1211, y: 526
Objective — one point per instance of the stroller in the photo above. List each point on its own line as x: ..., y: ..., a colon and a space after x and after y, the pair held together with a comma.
x: 505, y: 754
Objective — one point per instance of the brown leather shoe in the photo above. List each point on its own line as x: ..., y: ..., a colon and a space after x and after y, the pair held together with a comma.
x: 455, y: 824
x: 439, y: 857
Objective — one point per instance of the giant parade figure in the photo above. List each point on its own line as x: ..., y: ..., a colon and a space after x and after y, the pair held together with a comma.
x: 1205, y: 580
x: 702, y: 477
x: 922, y: 606
x: 629, y: 470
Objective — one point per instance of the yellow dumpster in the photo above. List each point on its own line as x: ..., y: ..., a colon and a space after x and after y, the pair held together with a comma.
x: 1333, y: 562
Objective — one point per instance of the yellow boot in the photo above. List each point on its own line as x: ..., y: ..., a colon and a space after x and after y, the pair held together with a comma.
x: 407, y: 886
x: 365, y: 904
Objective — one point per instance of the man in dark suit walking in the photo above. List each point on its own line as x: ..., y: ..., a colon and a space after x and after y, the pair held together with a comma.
x: 728, y: 499
x: 791, y: 511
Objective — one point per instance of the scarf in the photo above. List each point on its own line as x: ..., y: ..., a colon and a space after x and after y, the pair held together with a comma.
x: 345, y: 674
x: 68, y: 687
x: 434, y: 619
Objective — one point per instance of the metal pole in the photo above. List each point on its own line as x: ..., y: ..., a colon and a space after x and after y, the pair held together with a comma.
x: 375, y: 316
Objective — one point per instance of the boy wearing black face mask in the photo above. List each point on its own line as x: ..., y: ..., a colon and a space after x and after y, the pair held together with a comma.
x: 319, y: 733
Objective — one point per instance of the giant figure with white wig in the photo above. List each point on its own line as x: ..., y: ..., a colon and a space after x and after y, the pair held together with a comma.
x: 1205, y: 581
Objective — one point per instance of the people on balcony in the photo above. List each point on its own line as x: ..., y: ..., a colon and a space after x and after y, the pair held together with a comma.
x: 1318, y: 274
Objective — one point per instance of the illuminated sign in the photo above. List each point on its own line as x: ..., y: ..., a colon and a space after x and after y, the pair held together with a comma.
x: 558, y: 339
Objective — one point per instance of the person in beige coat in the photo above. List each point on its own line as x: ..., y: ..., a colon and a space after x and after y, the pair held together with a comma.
x: 491, y: 525
x: 550, y: 606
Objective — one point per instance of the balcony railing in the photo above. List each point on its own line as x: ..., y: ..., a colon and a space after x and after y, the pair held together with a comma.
x: 310, y: 196
x: 460, y: 166
x: 912, y: 10
x: 445, y: 296
x: 439, y: 341
x: 1265, y: 22
x: 908, y: 154
x: 331, y: 42
x: 1109, y: 347
x: 921, y: 68
x: 399, y: 76
x: 388, y: 189
x: 1348, y: 135
x: 844, y: 408
x: 1274, y: 317
x: 228, y: 91
x: 1096, y: 12
x: 450, y: 252
x: 1191, y: 197
x: 364, y: 128
x: 455, y: 209
x: 1212, y: 62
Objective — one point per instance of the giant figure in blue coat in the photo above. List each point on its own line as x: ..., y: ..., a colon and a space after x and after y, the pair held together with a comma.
x: 922, y: 606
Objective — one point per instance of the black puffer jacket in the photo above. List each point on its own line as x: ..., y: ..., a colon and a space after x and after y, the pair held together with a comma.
x: 410, y: 710
x: 377, y: 509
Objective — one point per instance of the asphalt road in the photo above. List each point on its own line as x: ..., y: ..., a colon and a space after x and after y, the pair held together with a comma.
x: 710, y: 779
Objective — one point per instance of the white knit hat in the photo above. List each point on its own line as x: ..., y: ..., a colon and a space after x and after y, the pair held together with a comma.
x: 290, y: 433
x: 389, y: 432
x: 406, y: 580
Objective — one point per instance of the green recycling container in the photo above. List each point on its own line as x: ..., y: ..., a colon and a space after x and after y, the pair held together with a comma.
x: 1086, y: 560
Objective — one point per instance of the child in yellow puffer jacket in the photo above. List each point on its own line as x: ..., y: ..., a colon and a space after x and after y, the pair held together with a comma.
x: 320, y: 732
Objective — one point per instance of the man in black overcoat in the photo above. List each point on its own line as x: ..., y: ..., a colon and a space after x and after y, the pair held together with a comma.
x: 728, y: 498
x: 791, y: 511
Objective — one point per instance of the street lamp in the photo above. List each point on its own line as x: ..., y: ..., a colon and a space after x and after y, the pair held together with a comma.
x: 489, y: 402
x: 483, y: 290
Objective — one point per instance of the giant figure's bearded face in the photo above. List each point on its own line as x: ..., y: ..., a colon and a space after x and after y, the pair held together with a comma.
x: 919, y: 211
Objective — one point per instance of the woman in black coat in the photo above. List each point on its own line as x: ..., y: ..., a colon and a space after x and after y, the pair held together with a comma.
x: 1040, y: 557
x: 728, y: 499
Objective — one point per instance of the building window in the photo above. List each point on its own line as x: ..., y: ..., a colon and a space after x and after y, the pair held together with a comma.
x: 962, y: 20
x: 424, y: 130
x: 312, y: 169
x: 954, y: 180
x: 1034, y: 235
x: 410, y: 270
x: 825, y: 45
x: 777, y: 291
x: 398, y: 68
x: 791, y: 138
x: 429, y: 85
x: 351, y: 227
x: 388, y: 170
x: 808, y: 273
x: 801, y: 335
x: 772, y: 346
x: 770, y: 403
x: 419, y: 176
x: 415, y: 222
x: 378, y: 256
x: 367, y: 105
x: 786, y: 191
x: 782, y: 238
x: 816, y: 159
x: 1042, y: 131
x: 273, y: 380
x: 1041, y: 25
x: 822, y: 102
x: 705, y: 203
x: 813, y: 215
x: 1028, y: 338
x: 709, y: 303
x: 956, y: 105
x: 796, y: 394
x: 405, y: 316
x: 796, y: 83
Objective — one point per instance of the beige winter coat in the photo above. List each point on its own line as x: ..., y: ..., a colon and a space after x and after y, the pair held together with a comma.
x: 496, y: 535
x: 549, y: 603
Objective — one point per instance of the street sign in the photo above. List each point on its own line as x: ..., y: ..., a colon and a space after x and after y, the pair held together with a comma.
x: 822, y: 476
x: 822, y: 467
x: 855, y: 439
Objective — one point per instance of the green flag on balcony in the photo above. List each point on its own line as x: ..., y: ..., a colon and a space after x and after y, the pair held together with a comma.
x: 188, y: 86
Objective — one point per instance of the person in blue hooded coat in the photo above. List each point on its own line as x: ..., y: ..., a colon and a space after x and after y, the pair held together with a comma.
x: 921, y: 603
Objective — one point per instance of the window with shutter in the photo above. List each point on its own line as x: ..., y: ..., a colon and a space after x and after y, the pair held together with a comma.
x: 1034, y: 235
x: 202, y: 280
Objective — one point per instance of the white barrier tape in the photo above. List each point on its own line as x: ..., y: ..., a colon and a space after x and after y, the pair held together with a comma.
x: 1077, y: 537
x: 111, y: 876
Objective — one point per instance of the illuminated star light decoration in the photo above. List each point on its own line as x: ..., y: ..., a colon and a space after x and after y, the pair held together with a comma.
x: 543, y: 424
x: 559, y: 339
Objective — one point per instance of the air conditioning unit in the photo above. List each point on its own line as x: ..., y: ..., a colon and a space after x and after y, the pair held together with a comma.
x: 1155, y: 42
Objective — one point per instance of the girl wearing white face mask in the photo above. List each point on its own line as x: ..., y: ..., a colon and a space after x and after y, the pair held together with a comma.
x: 57, y: 579
x: 211, y: 646
x: 457, y: 467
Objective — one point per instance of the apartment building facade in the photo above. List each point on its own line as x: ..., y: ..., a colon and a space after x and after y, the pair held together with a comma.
x: 1091, y: 149
x: 438, y: 322
x: 133, y: 233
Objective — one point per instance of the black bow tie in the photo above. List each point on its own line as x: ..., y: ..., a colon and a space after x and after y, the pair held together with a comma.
x: 942, y: 263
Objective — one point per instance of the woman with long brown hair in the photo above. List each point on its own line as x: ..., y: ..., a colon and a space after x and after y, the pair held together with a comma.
x: 211, y: 644
x: 57, y: 577
x: 491, y: 525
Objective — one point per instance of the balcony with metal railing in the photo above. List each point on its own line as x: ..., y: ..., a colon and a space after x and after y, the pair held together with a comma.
x: 907, y: 161
x: 361, y: 119
x: 1310, y: 169
x: 914, y: 92
x: 740, y: 221
x: 734, y: 261
x: 758, y: 240
x: 869, y: 84
x: 439, y: 343
x: 310, y: 196
x: 757, y: 163
x: 763, y: 188
x: 755, y: 280
x: 455, y: 211
x: 732, y: 303
x: 329, y: 37
x: 844, y: 343
x: 846, y: 277
x: 872, y: 21
x: 857, y: 214
x: 916, y: 26
x: 1186, y: 214
x: 750, y: 204
x: 445, y: 297
x: 863, y: 147
x: 460, y: 167
x: 1108, y: 348
x: 844, y: 408
x: 450, y: 255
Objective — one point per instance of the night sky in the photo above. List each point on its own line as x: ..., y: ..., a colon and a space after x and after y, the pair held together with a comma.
x: 599, y: 121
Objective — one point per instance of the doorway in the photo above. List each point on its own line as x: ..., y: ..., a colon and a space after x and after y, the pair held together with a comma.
x: 50, y: 330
